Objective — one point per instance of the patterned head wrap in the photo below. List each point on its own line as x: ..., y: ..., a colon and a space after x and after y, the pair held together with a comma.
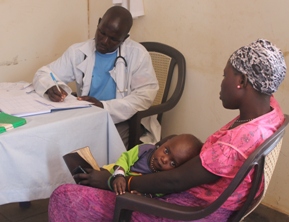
x: 262, y: 63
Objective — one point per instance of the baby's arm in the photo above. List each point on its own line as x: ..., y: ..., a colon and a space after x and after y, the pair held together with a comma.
x: 122, y: 166
x: 118, y: 181
x: 119, y: 185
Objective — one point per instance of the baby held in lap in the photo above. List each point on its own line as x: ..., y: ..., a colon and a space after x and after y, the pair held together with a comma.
x: 148, y: 158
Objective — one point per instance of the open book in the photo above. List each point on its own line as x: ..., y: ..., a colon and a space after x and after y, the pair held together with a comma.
x: 21, y: 104
x: 80, y: 159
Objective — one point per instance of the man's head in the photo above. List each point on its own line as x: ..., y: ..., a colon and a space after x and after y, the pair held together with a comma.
x: 112, y: 29
x: 175, y: 151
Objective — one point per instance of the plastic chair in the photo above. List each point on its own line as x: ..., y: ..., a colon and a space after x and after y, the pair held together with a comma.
x: 164, y: 58
x: 263, y: 160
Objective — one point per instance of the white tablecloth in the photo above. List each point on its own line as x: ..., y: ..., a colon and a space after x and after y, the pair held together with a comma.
x: 31, y: 155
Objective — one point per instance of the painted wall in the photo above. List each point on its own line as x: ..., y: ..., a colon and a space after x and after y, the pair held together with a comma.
x: 35, y: 33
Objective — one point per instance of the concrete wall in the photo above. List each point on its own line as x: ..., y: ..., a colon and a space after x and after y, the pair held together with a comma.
x: 36, y: 32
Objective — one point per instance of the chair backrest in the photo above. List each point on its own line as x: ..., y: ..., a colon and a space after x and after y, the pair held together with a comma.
x: 268, y: 155
x: 165, y: 58
x: 167, y: 62
x: 269, y: 166
x: 262, y: 160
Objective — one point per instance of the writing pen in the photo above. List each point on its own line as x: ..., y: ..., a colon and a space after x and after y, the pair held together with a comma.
x: 53, y: 78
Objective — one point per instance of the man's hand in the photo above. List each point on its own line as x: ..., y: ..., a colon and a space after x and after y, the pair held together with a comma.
x: 119, y: 185
x: 94, y: 178
x: 54, y: 94
x: 92, y: 100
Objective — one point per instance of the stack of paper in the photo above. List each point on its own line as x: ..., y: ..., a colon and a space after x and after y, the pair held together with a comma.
x: 19, y: 100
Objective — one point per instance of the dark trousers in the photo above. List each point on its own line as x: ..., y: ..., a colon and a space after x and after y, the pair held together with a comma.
x: 123, y: 130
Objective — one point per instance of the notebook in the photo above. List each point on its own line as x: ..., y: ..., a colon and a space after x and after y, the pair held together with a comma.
x: 8, y: 122
x: 22, y: 104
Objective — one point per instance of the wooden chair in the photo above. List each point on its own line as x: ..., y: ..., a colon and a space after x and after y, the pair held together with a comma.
x: 263, y: 160
x: 164, y: 58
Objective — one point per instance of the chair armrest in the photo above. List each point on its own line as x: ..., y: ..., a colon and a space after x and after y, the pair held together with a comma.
x: 135, y: 121
x: 132, y: 202
x: 135, y: 130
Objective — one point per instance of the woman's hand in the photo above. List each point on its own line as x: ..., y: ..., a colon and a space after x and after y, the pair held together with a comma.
x: 94, y: 178
x: 92, y: 100
x: 119, y: 185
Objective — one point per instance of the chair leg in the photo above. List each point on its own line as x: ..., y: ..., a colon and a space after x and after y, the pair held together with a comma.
x: 24, y: 205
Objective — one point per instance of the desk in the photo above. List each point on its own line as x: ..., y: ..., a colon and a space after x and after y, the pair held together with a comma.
x: 31, y: 155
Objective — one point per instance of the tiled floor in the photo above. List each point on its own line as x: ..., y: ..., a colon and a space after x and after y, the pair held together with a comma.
x: 37, y: 212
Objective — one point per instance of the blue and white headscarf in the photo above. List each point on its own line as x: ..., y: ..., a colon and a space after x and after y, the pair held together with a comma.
x: 262, y: 63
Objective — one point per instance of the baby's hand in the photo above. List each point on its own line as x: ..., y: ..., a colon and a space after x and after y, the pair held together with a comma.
x: 119, y: 185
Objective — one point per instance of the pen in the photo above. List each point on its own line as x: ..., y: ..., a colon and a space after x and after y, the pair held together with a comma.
x: 53, y: 78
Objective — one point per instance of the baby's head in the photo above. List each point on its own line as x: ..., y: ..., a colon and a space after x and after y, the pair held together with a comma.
x: 174, y: 152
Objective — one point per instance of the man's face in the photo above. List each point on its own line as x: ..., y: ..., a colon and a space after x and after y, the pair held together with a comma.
x: 109, y: 35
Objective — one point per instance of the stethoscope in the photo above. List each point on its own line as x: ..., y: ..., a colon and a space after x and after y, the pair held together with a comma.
x: 120, y: 57
x: 125, y: 63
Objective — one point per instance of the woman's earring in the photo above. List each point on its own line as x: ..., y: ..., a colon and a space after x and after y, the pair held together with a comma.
x: 238, y: 86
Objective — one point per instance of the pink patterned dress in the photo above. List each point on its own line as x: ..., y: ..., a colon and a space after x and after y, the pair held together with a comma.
x: 223, y: 154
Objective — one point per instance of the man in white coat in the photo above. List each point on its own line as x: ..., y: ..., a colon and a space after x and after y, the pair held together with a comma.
x: 111, y: 71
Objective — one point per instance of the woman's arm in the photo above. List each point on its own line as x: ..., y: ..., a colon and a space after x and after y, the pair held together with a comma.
x: 188, y: 175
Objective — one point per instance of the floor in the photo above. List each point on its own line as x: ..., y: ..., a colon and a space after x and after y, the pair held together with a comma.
x: 37, y: 212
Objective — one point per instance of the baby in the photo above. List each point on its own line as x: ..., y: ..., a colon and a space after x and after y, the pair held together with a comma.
x: 148, y: 158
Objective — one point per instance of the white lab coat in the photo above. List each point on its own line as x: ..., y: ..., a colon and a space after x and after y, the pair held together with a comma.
x: 137, y: 84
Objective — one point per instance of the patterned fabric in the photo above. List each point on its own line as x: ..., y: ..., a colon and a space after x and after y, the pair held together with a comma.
x: 74, y: 203
x: 263, y: 64
x: 225, y: 151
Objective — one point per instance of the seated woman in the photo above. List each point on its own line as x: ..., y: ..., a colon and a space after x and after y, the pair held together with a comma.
x: 251, y: 75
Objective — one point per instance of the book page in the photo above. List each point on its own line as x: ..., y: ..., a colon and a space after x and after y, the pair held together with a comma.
x: 69, y: 102
x: 21, y: 104
x: 87, y: 155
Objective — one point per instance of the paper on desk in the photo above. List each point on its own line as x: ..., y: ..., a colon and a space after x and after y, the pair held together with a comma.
x: 21, y: 104
x: 16, y: 86
x: 8, y: 86
x: 68, y: 103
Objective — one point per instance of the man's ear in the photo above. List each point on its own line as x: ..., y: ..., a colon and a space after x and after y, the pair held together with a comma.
x: 99, y: 20
x: 126, y: 37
